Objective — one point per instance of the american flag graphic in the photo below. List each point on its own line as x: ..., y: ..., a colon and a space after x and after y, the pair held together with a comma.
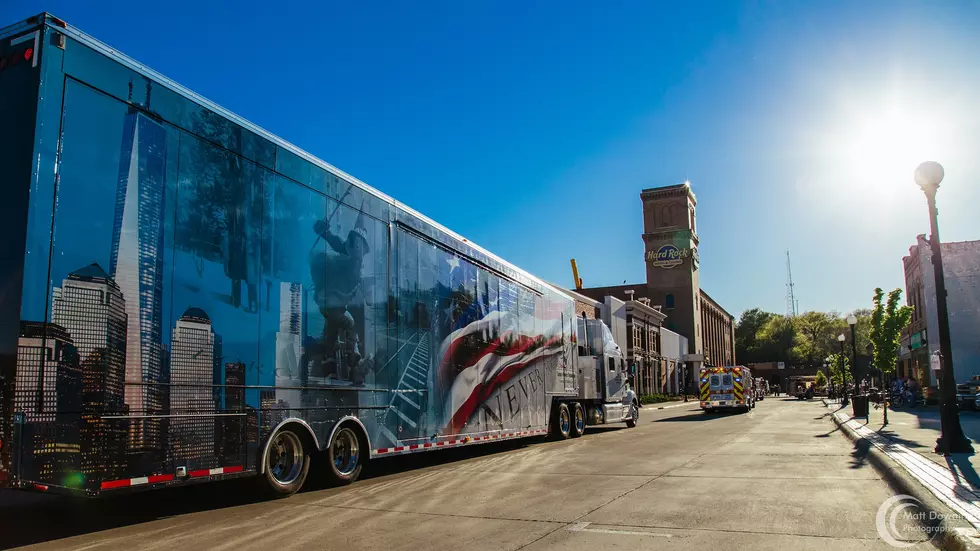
x: 495, y: 330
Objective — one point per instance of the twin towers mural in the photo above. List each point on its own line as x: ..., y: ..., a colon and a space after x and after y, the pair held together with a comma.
x: 197, y: 299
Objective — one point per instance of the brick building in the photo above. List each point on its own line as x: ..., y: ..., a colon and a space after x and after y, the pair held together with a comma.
x: 658, y: 353
x: 961, y: 271
x: 673, y: 280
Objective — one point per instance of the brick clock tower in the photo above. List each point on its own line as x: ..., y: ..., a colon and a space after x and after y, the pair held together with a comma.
x: 671, y: 252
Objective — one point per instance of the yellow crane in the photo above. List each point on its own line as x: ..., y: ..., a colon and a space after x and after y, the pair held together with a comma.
x: 578, y: 281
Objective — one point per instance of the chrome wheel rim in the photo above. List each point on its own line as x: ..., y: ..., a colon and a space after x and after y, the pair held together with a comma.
x: 579, y: 419
x: 634, y: 412
x: 563, y: 421
x: 286, y: 458
x: 345, y: 452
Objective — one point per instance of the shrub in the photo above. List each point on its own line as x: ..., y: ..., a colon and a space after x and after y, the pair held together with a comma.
x: 654, y: 398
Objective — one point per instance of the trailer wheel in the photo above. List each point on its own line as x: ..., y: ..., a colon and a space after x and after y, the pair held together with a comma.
x: 343, y: 456
x: 287, y: 464
x: 578, y: 420
x: 634, y: 415
x: 562, y: 423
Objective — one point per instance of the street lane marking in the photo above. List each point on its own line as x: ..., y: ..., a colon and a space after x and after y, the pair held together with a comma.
x: 583, y: 527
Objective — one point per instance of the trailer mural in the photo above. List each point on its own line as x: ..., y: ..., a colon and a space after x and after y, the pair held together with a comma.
x: 201, y: 290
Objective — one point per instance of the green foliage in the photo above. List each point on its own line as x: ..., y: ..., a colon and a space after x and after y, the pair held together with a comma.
x: 887, y: 322
x: 821, y: 380
x: 804, y: 340
x: 835, y: 364
x: 746, y: 335
x: 653, y: 398
x: 816, y: 334
x: 776, y: 339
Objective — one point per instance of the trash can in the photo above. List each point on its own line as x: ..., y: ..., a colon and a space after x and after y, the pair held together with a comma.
x: 859, y: 405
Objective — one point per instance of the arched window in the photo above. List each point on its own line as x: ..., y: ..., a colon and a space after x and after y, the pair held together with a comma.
x: 669, y: 301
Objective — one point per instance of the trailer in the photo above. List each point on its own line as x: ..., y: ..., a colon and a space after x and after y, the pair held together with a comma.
x: 189, y: 298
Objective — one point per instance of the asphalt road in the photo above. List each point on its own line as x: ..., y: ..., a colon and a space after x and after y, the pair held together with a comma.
x: 780, y: 477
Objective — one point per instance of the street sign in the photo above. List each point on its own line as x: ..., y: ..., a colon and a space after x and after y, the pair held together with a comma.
x: 780, y: 365
x: 934, y: 362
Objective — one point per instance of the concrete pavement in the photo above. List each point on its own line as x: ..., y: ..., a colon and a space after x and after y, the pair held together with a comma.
x: 776, y: 478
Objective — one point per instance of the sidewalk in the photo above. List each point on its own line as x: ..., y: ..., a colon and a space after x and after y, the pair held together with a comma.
x: 908, y: 441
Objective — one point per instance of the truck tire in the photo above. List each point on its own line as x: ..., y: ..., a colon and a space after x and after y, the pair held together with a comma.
x: 561, y: 422
x: 578, y: 419
x: 634, y: 415
x: 343, y: 457
x: 287, y: 464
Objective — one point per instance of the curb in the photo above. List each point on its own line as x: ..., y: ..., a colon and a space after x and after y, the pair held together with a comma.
x: 950, y: 537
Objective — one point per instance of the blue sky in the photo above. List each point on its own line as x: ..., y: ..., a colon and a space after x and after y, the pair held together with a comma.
x: 531, y: 127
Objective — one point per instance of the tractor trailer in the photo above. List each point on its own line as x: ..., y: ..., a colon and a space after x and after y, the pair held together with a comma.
x: 189, y: 298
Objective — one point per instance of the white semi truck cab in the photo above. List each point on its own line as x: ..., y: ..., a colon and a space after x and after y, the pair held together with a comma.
x: 601, y: 392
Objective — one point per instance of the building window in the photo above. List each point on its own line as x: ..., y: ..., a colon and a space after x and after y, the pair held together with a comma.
x: 669, y: 301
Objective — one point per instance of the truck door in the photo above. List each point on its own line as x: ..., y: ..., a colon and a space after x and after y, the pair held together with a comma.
x: 615, y: 377
x: 721, y: 386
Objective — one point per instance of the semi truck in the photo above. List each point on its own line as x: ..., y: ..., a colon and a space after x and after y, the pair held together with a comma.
x: 726, y: 387
x: 189, y: 298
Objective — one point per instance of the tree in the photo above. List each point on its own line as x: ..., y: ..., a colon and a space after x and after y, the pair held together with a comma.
x: 746, y: 335
x: 887, y: 322
x: 816, y: 334
x: 821, y: 380
x: 776, y: 339
x: 836, y: 373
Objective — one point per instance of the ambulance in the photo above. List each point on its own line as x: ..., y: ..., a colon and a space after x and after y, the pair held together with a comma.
x: 728, y: 387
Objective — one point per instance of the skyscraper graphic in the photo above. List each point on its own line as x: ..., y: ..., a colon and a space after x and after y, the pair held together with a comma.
x: 289, y: 343
x: 49, y: 393
x: 272, y: 412
x: 232, y: 441
x: 90, y: 307
x: 192, y: 429
x: 136, y: 264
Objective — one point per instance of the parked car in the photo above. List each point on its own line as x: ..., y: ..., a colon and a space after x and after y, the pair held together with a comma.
x: 966, y: 393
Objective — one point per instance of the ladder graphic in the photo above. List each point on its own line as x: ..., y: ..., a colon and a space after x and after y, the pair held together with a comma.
x: 406, y: 408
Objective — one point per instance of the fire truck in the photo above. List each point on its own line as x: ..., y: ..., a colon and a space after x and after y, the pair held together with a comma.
x: 727, y: 387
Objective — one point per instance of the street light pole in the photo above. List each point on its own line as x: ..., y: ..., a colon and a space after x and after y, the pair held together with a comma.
x: 852, y: 321
x: 843, y: 371
x: 951, y: 440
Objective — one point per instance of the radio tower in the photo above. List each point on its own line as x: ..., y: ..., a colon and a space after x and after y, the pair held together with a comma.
x: 791, y: 305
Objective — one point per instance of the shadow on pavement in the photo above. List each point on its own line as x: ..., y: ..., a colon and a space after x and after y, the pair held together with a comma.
x: 896, y: 439
x: 29, y: 518
x: 859, y: 456
x: 959, y: 464
x: 697, y: 416
x: 826, y: 434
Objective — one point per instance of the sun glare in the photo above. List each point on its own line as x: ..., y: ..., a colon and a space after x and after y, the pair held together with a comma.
x: 884, y: 146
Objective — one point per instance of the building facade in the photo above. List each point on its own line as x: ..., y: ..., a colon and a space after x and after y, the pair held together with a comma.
x: 643, y: 347
x: 717, y: 332
x: 920, y: 340
x: 673, y: 283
